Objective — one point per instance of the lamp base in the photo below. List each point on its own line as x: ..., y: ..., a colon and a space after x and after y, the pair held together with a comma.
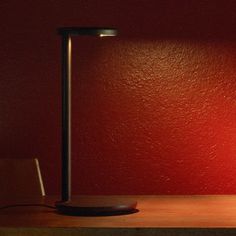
x: 97, y: 206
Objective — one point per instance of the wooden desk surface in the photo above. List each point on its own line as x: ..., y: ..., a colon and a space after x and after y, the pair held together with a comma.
x: 158, y: 215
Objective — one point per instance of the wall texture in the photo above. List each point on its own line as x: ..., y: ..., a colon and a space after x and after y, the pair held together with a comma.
x: 154, y: 109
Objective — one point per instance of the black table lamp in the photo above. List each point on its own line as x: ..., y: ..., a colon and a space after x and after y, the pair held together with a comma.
x: 83, y: 205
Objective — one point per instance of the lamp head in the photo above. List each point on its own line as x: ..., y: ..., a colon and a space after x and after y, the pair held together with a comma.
x: 86, y: 31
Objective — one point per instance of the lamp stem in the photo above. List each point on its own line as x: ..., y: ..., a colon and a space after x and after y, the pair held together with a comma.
x: 66, y: 118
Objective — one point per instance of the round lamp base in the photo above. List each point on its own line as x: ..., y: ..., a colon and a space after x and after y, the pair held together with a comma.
x: 97, y: 205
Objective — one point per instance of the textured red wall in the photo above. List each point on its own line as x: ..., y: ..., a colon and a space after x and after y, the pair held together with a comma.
x: 153, y: 110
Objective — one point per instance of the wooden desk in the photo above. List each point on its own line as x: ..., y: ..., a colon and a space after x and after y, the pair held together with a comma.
x: 158, y: 215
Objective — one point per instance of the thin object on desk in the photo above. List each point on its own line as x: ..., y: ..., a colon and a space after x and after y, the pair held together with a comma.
x: 20, y: 178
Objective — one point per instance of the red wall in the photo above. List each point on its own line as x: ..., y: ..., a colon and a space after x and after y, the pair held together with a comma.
x: 154, y: 109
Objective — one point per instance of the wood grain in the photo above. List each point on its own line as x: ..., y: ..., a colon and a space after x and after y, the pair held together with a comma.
x: 158, y: 215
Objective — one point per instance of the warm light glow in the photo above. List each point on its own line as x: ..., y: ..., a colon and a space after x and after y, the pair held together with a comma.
x: 106, y: 35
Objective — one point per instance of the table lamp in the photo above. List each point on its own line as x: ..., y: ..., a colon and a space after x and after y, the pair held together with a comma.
x: 81, y: 205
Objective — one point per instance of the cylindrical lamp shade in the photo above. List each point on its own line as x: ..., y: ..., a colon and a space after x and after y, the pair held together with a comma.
x: 92, y: 31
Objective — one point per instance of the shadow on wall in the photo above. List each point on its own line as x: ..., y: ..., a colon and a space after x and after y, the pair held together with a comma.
x: 166, y: 19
